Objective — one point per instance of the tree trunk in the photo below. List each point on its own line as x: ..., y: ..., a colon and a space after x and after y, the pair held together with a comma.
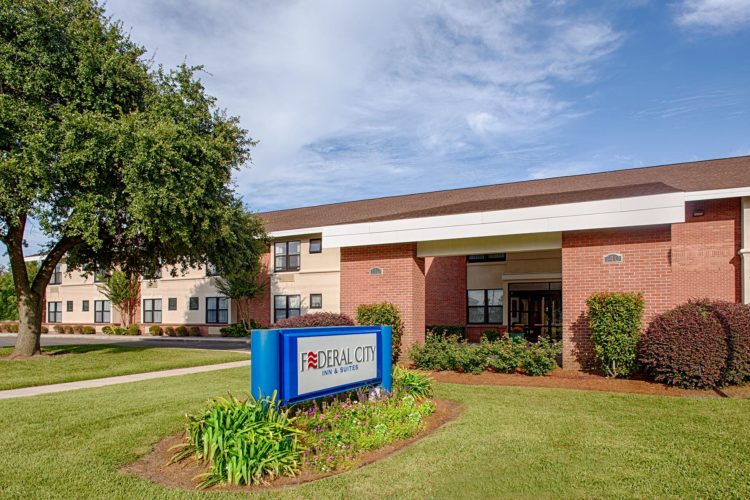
x: 29, y: 326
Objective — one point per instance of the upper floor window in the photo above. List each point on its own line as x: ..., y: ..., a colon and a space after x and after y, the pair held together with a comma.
x: 56, y: 277
x: 286, y: 256
x: 102, y: 311
x: 487, y: 257
x: 485, y: 306
x: 217, y: 310
x: 211, y: 269
x: 155, y: 275
x: 316, y: 245
x: 152, y: 310
x: 54, y: 312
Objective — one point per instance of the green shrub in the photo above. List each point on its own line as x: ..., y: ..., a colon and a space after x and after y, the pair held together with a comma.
x: 88, y: 330
x: 59, y: 328
x: 385, y: 314
x: 491, y: 334
x: 182, y: 331
x: 11, y: 327
x: 410, y: 382
x: 133, y: 329
x: 244, y: 442
x: 68, y: 329
x: 615, y: 320
x: 154, y: 330
x: 447, y: 331
x: 235, y: 330
x: 119, y: 330
x: 194, y: 331
x: 502, y: 356
x: 170, y: 331
x: 337, y: 432
x: 45, y: 329
x: 108, y: 330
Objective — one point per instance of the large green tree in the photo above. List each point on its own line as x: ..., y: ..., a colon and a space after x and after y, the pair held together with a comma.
x: 120, y: 165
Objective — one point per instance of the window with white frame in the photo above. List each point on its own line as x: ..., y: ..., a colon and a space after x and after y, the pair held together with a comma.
x: 217, y: 310
x: 152, y: 310
x: 54, y: 312
x: 102, y: 311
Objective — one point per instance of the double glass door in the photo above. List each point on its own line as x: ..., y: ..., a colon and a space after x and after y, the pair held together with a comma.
x: 536, y: 309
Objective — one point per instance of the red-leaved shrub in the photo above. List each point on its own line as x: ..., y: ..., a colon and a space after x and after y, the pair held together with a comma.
x: 317, y: 319
x: 686, y: 347
x: 735, y: 318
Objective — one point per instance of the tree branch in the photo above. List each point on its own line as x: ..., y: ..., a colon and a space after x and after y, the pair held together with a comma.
x: 51, y: 260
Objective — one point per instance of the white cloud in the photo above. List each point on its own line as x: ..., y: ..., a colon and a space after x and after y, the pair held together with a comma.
x: 722, y: 15
x: 353, y: 99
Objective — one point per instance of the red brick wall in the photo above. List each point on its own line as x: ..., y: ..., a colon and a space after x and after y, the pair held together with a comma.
x: 645, y: 268
x: 402, y: 283
x: 668, y: 264
x: 705, y: 252
x: 445, y: 290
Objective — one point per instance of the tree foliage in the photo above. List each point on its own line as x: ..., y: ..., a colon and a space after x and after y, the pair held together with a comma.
x: 121, y: 165
x: 8, y: 302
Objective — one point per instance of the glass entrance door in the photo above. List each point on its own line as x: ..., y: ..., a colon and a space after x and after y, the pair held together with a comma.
x: 536, y: 309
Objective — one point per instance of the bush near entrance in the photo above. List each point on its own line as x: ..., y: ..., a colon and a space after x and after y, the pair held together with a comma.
x: 501, y: 356
x: 384, y: 314
x: 615, y: 320
x: 446, y: 331
x: 701, y: 344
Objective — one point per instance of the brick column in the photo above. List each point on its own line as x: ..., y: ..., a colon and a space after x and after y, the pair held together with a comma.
x: 401, y: 282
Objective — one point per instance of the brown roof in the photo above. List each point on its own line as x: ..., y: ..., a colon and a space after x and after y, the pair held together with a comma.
x: 694, y: 176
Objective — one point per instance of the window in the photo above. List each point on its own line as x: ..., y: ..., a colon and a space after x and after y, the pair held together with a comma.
x: 54, y: 312
x: 210, y: 269
x: 193, y: 304
x: 152, y: 310
x: 316, y: 245
x: 316, y: 301
x: 85, y: 306
x: 155, y: 275
x: 69, y: 306
x: 99, y: 275
x: 488, y: 257
x: 172, y: 303
x: 56, y: 277
x: 285, y: 306
x: 286, y: 256
x: 485, y: 306
x: 217, y: 310
x: 102, y: 311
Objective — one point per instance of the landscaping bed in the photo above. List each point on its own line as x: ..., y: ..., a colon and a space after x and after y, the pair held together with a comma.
x: 156, y: 466
x: 569, y: 379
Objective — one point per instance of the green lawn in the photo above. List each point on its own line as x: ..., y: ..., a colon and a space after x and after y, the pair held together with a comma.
x: 509, y: 442
x: 84, y: 362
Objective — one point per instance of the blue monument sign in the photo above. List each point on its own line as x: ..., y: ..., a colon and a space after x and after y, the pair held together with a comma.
x: 307, y: 363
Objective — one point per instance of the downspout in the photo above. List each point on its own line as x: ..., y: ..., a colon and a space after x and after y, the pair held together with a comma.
x: 745, y: 251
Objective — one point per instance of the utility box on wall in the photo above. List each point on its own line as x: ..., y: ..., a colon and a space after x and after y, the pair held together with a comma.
x: 306, y: 363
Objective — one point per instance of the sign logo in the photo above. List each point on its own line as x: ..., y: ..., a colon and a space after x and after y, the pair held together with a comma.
x: 312, y: 360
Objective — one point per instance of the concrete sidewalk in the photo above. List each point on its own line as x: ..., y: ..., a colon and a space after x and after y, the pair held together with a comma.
x: 123, y: 379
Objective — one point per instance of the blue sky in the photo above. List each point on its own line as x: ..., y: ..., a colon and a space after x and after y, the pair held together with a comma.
x: 357, y: 99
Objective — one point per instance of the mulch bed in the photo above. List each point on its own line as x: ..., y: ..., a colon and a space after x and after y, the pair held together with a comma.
x: 154, y: 466
x: 568, y: 379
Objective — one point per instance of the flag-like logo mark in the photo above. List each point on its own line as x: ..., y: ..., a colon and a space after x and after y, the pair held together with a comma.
x: 312, y: 360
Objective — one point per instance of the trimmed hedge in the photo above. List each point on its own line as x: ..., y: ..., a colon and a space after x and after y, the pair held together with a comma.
x: 313, y: 320
x: 88, y: 330
x: 501, y: 356
x: 194, y: 331
x: 154, y: 330
x: 182, y: 331
x: 385, y: 314
x: 615, y: 320
x: 170, y: 331
x: 686, y: 346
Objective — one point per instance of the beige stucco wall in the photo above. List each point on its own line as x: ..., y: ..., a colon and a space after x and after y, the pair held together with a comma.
x: 521, y: 267
x: 77, y: 288
x: 746, y: 250
x: 319, y: 273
